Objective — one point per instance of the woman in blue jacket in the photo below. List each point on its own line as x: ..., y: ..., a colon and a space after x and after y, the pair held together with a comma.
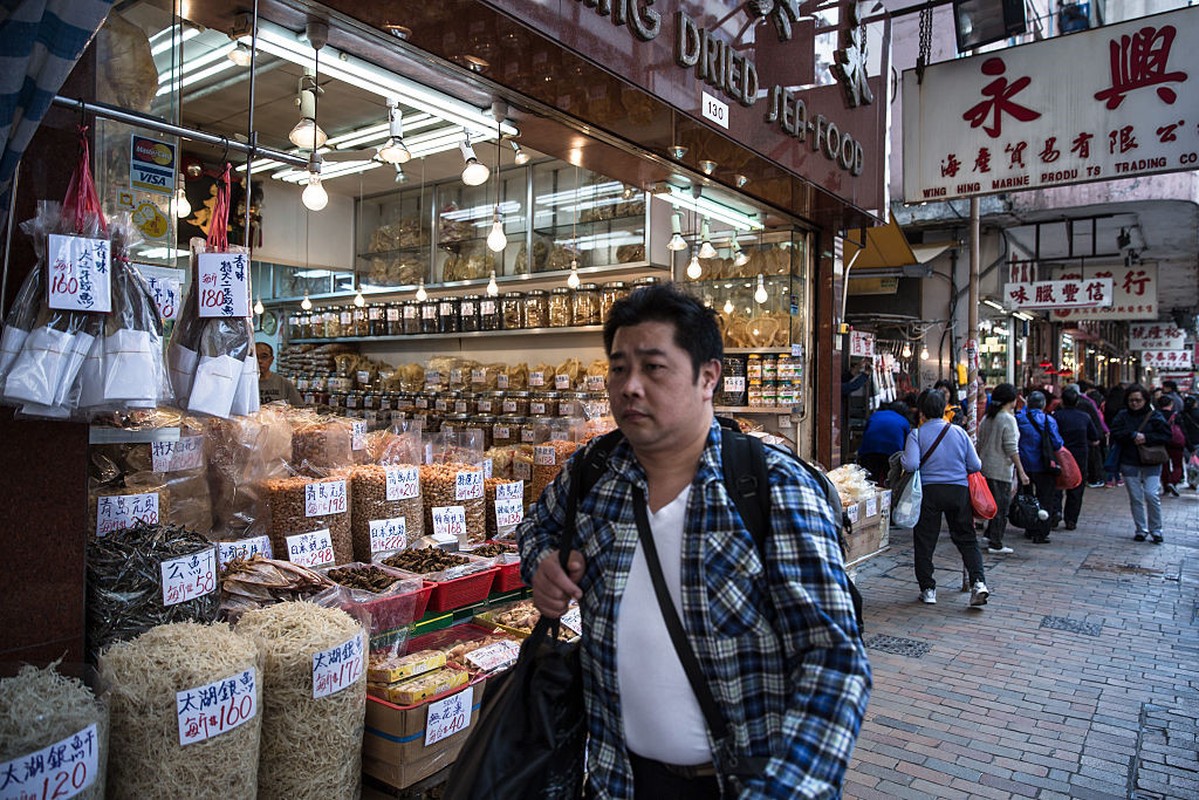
x: 944, y: 455
x: 1035, y: 424
x: 1138, y: 424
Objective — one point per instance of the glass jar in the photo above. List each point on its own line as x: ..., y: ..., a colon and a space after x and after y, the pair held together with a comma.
x: 331, y: 322
x: 585, y: 305
x: 543, y: 404
x: 649, y: 280
x: 447, y: 315
x: 512, y: 307
x: 536, y: 430
x: 485, y: 425
x: 304, y: 323
x: 468, y: 314
x: 753, y: 393
x: 506, y: 430
x: 733, y: 384
x: 392, y: 320
x: 560, y: 308
x: 346, y: 315
x: 428, y: 316
x: 490, y: 318
x: 489, y: 402
x: 536, y: 309
x: 361, y: 325
x: 570, y: 404
x: 376, y: 319
x: 516, y: 403
x: 410, y: 316
x: 753, y: 367
x: 611, y: 292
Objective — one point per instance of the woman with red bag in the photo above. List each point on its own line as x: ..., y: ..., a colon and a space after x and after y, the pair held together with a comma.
x: 998, y: 447
x: 1079, y: 433
x: 1176, y: 447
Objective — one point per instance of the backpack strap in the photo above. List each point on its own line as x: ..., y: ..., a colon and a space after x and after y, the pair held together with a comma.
x: 743, y: 461
x: 585, y: 472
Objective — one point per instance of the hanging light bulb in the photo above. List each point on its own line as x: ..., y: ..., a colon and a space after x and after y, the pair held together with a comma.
x: 395, y: 151
x: 907, y: 351
x: 314, y: 197
x: 421, y: 294
x: 521, y: 158
x: 728, y: 306
x: 572, y: 280
x: 241, y: 55
x: 183, y: 208
x: 677, y: 242
x: 359, y: 300
x: 740, y: 257
x: 496, y: 240
x: 475, y: 173
x: 493, y: 288
x: 760, y: 295
x: 706, y: 250
x: 259, y: 308
x: 307, y: 134
x: 924, y: 356
x: 694, y: 270
x: 306, y: 304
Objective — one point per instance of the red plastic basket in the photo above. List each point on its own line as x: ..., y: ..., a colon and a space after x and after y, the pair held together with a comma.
x: 464, y: 591
x: 422, y: 599
x: 508, y: 580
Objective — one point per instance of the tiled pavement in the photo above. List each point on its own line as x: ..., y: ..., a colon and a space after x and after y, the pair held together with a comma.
x: 1079, y: 679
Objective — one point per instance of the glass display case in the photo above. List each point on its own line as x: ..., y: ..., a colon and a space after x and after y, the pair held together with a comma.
x: 394, y: 239
x: 583, y: 216
x: 464, y: 218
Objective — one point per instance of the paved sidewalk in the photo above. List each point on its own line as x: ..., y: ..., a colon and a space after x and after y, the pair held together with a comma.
x: 1079, y: 679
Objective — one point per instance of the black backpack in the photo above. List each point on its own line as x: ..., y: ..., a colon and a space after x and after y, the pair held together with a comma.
x: 745, y: 473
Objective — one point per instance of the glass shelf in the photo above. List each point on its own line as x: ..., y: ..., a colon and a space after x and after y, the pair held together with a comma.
x: 463, y: 335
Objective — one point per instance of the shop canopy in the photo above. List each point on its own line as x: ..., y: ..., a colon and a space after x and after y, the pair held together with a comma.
x: 885, y: 247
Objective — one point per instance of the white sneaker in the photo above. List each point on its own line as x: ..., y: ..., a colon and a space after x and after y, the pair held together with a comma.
x: 979, y: 594
x: 999, y: 551
x: 929, y: 596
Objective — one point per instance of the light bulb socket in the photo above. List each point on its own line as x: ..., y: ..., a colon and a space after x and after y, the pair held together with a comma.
x: 708, y: 166
x: 520, y: 157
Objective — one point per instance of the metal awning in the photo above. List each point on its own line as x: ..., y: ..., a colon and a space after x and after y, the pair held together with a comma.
x: 885, y: 247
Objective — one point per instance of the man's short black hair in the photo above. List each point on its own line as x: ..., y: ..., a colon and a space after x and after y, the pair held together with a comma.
x: 1170, y: 386
x: 1069, y: 397
x: 269, y: 349
x: 931, y: 404
x: 695, y: 327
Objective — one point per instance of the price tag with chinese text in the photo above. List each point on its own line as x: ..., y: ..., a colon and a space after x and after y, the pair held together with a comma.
x: 59, y: 771
x: 852, y: 512
x: 217, y: 707
x: 403, y: 483
x: 734, y: 385
x: 337, y: 668
x: 509, y: 513
x: 494, y: 656
x: 80, y: 273
x: 188, y: 577
x: 243, y: 548
x: 313, y: 549
x: 512, y: 490
x: 222, y: 287
x: 595, y: 383
x: 119, y: 511
x: 468, y: 485
x: 325, y: 497
x: 449, y: 520
x: 561, y: 382
x: 522, y: 470
x: 448, y: 716
x: 545, y: 455
x: 537, y: 378
x: 358, y: 432
x: 871, y: 506
x: 186, y: 453
x: 573, y: 619
x: 388, y: 534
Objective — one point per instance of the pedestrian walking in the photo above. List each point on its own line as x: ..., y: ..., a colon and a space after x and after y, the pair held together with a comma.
x: 999, y: 451
x: 886, y: 431
x: 1190, y: 429
x: 773, y: 630
x: 1098, y: 455
x: 1175, y: 448
x: 1140, y: 424
x: 1079, y: 434
x: 944, y: 454
x: 1036, y: 425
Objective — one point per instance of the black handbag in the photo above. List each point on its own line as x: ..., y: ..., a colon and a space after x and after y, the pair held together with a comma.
x: 1024, y: 510
x: 1048, y: 451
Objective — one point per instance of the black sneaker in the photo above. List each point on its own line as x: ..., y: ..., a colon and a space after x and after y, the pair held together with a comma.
x: 1157, y: 538
x: 1140, y: 537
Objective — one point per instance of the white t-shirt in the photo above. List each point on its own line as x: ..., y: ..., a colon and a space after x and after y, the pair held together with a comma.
x: 662, y: 718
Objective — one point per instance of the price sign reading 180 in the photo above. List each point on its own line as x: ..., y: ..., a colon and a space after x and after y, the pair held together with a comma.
x: 222, y: 286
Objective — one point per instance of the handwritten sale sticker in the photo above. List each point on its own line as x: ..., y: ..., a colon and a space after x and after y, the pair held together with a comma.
x: 468, y: 484
x: 243, y: 548
x: 218, y: 707
x: 80, y: 273
x: 449, y: 520
x: 188, y: 577
x: 337, y: 668
x: 314, y: 549
x: 222, y: 284
x: 573, y: 620
x: 388, y: 535
x: 512, y: 490
x: 119, y: 511
x: 186, y: 453
x: 545, y: 455
x: 509, y: 513
x: 494, y: 656
x: 325, y: 497
x: 403, y: 483
x: 60, y: 770
x: 561, y: 382
x: 358, y: 435
x: 448, y: 716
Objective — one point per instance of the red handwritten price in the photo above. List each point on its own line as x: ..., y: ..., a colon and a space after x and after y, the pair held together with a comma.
x: 313, y: 549
x: 59, y: 771
x: 448, y: 716
x: 64, y: 282
x: 325, y: 497
x: 337, y: 668
x: 80, y: 273
x: 210, y: 710
x: 449, y: 520
x: 188, y: 577
x: 388, y: 535
x: 509, y: 513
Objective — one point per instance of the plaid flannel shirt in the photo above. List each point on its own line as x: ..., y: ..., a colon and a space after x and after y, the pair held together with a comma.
x: 777, y: 641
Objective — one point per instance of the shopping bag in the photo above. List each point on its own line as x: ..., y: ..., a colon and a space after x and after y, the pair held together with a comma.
x: 1024, y: 510
x: 1111, y: 464
x: 1070, y: 476
x: 1192, y: 471
x: 980, y: 496
x: 529, y: 743
x: 906, y: 511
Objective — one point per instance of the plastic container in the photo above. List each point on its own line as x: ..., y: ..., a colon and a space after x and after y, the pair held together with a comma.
x: 512, y: 309
x: 733, y: 382
x: 489, y: 314
x: 609, y: 294
x: 410, y: 314
x: 428, y: 316
x: 468, y: 314
x: 394, y: 320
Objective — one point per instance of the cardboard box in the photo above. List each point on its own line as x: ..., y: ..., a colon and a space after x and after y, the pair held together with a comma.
x: 871, y: 526
x: 393, y: 747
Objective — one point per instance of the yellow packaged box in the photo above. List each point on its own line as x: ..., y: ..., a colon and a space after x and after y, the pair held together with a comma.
x: 422, y: 687
x: 391, y: 670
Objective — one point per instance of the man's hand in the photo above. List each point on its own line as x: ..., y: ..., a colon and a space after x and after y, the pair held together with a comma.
x: 552, y: 588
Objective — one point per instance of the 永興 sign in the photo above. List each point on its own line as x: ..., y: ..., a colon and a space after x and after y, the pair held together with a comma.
x: 1113, y: 102
x: 1155, y: 336
x: 1073, y: 293
x: 1134, y: 292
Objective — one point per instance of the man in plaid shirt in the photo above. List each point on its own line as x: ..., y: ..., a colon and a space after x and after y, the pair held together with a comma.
x: 775, y: 636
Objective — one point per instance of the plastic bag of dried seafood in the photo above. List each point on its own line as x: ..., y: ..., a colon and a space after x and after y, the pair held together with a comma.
x: 549, y: 457
x: 186, y: 707
x: 323, y: 442
x: 257, y: 582
x: 387, y: 510
x: 53, y: 732
x: 146, y: 576
x: 314, y: 701
x: 307, y: 516
x: 241, y: 453
x: 452, y: 487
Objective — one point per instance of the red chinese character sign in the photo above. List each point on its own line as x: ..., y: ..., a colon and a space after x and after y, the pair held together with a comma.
x: 1156, y: 336
x: 1114, y: 102
x: 1075, y: 293
x: 1168, y: 360
x: 1134, y: 292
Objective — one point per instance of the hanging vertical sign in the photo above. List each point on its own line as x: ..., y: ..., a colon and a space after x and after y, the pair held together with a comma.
x: 223, y: 289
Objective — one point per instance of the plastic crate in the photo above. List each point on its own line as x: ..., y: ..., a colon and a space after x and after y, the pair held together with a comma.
x: 464, y: 591
x: 508, y: 579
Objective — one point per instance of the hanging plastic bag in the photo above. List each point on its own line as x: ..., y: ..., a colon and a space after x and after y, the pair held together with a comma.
x: 981, y: 499
x: 1070, y: 476
x: 906, y: 511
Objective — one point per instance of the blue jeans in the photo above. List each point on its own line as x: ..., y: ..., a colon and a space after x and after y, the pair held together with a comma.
x: 1144, y: 485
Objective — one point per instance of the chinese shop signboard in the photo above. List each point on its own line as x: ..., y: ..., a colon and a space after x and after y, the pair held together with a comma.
x: 1134, y: 292
x: 1168, y: 360
x: 1156, y: 336
x: 1074, y: 293
x: 1114, y: 102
